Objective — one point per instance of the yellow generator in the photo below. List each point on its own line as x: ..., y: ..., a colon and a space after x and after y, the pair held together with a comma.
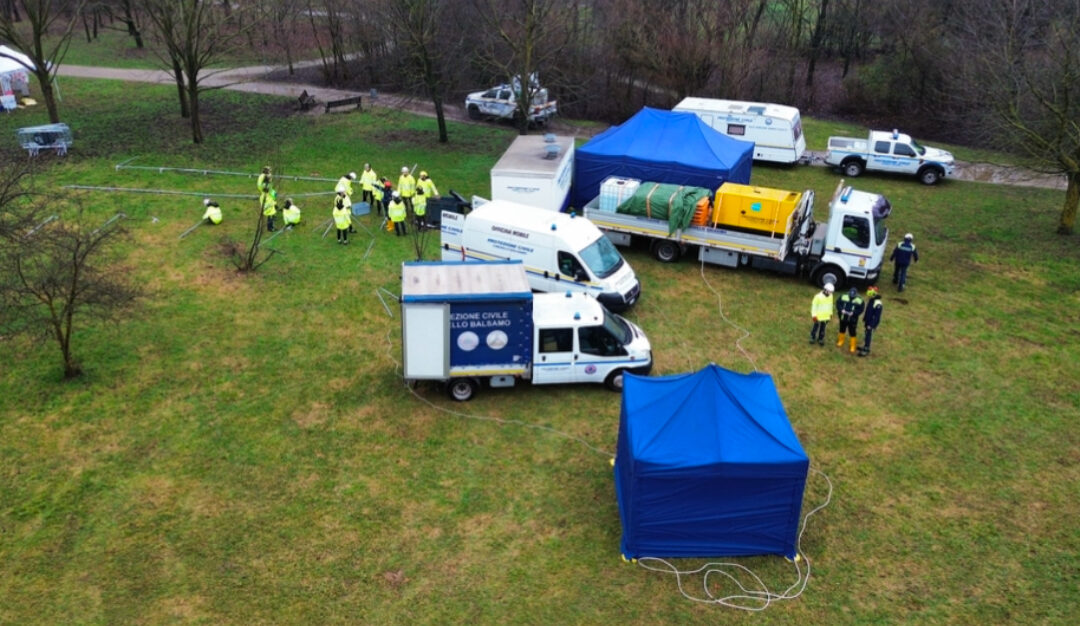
x: 749, y: 208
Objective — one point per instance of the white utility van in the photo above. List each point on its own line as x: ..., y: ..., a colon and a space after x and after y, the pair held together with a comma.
x: 535, y: 170
x: 560, y: 251
x: 775, y: 129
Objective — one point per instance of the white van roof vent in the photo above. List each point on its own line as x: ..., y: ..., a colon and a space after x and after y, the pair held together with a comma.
x: 549, y: 137
x: 551, y: 151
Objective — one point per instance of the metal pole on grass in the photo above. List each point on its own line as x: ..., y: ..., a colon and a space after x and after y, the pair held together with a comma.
x: 188, y: 231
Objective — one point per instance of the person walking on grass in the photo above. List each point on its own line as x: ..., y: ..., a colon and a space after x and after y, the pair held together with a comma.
x: 344, y: 185
x: 213, y: 212
x: 821, y: 310
x: 902, y: 256
x: 397, y: 212
x: 342, y: 218
x: 871, y: 318
x: 848, y: 308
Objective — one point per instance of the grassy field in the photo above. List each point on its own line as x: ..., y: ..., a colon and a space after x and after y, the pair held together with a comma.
x: 242, y: 448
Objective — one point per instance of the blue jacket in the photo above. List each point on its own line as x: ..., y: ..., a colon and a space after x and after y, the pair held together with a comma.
x: 873, y: 312
x: 904, y: 254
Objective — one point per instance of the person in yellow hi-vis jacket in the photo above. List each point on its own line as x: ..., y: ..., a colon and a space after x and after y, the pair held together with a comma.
x: 420, y: 208
x: 344, y: 184
x: 368, y: 180
x: 342, y: 218
x: 406, y: 186
x: 270, y: 209
x: 377, y: 199
x: 428, y: 185
x: 290, y: 214
x: 821, y: 310
x: 397, y: 212
x: 264, y: 184
x: 213, y: 211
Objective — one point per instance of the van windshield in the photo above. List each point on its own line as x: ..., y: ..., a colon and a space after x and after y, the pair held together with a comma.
x: 618, y: 328
x: 601, y: 257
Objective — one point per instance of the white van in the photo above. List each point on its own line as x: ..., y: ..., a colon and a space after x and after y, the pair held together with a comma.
x: 775, y: 129
x: 560, y: 251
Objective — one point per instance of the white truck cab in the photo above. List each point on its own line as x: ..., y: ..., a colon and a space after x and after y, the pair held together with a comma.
x: 501, y: 102
x: 889, y: 152
x: 561, y: 251
x: 853, y: 243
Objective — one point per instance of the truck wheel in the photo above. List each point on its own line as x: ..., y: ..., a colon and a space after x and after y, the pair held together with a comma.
x: 474, y: 112
x: 929, y: 175
x: 614, y: 380
x: 853, y: 168
x: 829, y: 274
x: 462, y: 389
x: 666, y: 251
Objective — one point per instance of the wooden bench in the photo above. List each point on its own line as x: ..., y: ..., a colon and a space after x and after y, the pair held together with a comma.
x: 305, y: 101
x: 344, y: 102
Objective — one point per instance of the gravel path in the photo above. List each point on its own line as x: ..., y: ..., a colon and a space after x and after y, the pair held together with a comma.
x: 253, y: 80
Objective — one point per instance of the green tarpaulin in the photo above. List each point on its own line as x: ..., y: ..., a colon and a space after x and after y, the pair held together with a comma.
x: 674, y: 203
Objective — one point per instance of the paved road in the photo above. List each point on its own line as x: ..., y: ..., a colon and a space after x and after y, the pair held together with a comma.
x: 254, y: 80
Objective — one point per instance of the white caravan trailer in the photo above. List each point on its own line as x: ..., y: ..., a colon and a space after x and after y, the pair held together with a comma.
x: 536, y: 171
x: 775, y: 129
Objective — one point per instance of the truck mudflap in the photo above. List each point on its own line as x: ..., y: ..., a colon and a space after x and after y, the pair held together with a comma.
x: 616, y: 302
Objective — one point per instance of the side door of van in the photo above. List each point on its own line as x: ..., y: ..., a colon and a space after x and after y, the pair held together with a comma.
x: 597, y: 350
x: 553, y: 361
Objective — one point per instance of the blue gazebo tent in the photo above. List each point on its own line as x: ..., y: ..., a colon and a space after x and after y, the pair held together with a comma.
x: 662, y: 147
x: 707, y: 465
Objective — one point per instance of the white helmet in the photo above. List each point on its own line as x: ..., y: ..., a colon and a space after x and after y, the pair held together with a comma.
x: 206, y: 202
x: 908, y: 237
x: 352, y: 175
x: 829, y: 288
x: 404, y: 169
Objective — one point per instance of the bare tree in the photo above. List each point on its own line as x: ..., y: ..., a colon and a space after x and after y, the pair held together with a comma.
x: 333, y: 13
x: 431, y: 46
x: 522, y: 39
x: 59, y: 272
x: 1022, y: 66
x: 196, y: 36
x: 44, y: 39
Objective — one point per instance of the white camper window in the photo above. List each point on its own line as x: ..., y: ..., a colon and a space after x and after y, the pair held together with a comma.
x: 737, y: 130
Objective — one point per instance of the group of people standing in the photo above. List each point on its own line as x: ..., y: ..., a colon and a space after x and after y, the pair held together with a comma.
x: 410, y: 197
x: 850, y: 306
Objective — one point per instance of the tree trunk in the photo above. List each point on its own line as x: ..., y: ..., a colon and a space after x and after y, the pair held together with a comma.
x: 1072, y: 199
x: 815, y: 49
x: 48, y: 95
x: 440, y: 116
x: 196, y: 123
x: 178, y: 74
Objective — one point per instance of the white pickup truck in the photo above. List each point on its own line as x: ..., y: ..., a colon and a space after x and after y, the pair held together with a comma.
x: 501, y: 102
x: 889, y: 152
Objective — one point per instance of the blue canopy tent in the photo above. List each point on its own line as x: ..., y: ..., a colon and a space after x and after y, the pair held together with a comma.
x: 707, y: 465
x: 663, y: 147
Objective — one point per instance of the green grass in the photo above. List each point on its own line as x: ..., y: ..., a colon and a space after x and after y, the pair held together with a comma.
x: 242, y: 449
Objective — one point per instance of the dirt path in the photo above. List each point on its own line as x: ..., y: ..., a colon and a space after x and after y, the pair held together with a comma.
x: 254, y: 80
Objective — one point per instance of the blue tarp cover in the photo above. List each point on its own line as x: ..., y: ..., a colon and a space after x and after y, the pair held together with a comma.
x: 707, y: 465
x: 661, y: 147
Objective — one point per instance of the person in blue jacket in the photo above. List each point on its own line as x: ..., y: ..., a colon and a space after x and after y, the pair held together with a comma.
x: 902, y: 256
x: 871, y: 318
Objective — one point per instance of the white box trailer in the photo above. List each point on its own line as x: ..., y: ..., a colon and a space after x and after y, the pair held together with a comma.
x: 535, y: 171
x: 775, y: 129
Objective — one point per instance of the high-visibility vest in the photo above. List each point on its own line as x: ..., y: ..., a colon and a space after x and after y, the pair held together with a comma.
x: 263, y: 184
x: 822, y: 307
x: 213, y: 213
x: 291, y: 215
x: 406, y: 186
x: 342, y: 218
x: 368, y: 178
x: 344, y: 184
x: 428, y: 186
x: 270, y: 207
x: 419, y: 205
x: 396, y: 210
x: 377, y: 193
